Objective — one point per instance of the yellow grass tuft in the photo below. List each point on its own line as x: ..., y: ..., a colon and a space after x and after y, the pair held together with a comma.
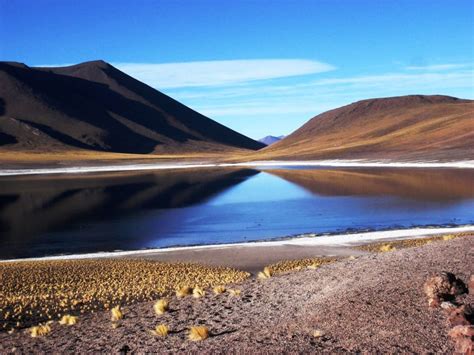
x: 409, y: 243
x: 265, y: 274
x: 387, y: 247
x: 184, y: 291
x: 198, y: 292
x: 40, y: 330
x: 161, y: 306
x: 33, y: 292
x: 318, y: 333
x: 219, y: 289
x: 116, y: 314
x: 234, y: 292
x: 198, y: 333
x: 160, y: 330
x: 297, y: 264
x: 449, y: 237
x: 68, y: 320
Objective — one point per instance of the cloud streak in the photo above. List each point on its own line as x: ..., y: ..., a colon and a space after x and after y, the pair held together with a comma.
x: 438, y: 67
x: 237, y: 92
x: 220, y: 73
x: 279, y: 107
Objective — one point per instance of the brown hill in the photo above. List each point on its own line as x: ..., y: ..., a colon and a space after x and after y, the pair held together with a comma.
x: 94, y: 106
x: 407, y: 127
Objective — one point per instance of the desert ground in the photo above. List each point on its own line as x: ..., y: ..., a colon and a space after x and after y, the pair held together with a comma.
x: 372, y: 301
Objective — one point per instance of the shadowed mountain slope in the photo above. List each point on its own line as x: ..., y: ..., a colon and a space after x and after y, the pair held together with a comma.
x: 407, y: 127
x: 95, y: 106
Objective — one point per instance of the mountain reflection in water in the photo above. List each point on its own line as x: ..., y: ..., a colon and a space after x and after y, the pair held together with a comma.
x: 48, y: 215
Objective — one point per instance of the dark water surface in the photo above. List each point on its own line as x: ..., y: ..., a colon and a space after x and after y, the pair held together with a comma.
x: 49, y: 215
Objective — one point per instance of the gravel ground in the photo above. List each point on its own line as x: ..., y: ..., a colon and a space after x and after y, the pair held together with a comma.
x: 374, y: 303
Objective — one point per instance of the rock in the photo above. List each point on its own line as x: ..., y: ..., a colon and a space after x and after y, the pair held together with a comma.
x: 434, y: 302
x: 442, y: 288
x: 448, y: 306
x: 463, y: 336
x: 458, y: 316
x: 471, y: 284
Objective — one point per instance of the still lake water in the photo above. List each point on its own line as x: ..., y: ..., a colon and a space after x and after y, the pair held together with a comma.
x: 50, y: 215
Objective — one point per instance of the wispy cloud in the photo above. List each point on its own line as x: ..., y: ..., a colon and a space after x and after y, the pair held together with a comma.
x: 444, y: 79
x: 379, y: 85
x: 279, y: 107
x: 438, y: 67
x: 273, y: 96
x: 218, y: 73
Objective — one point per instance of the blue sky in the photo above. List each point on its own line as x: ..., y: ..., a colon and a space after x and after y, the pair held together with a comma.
x: 260, y: 67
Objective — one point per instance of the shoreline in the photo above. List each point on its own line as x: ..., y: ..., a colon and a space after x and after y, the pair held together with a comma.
x: 235, y: 253
x: 356, y: 163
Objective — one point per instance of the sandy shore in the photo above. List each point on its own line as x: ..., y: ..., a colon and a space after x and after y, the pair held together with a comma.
x: 250, y: 259
x: 374, y: 303
x: 253, y: 256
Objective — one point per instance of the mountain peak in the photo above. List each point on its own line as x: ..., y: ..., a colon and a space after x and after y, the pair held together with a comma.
x: 99, y: 63
x: 406, y: 100
x: 15, y: 64
x: 402, y: 127
x: 93, y: 105
x: 268, y: 140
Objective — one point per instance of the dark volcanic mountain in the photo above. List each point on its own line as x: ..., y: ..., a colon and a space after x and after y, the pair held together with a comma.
x: 406, y: 127
x: 95, y: 106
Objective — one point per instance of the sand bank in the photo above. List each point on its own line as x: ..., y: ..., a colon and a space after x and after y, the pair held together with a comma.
x: 253, y: 256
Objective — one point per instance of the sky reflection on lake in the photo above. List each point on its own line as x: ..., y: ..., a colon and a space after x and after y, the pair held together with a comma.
x: 104, y: 212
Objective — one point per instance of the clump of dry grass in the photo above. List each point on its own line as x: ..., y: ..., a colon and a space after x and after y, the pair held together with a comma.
x: 116, y: 314
x: 449, y: 237
x: 386, y: 248
x: 198, y: 333
x: 161, y: 306
x: 318, y: 333
x: 219, y: 289
x: 408, y: 243
x: 184, y: 291
x: 295, y: 265
x: 68, y: 320
x: 37, y: 291
x: 234, y: 292
x: 160, y: 330
x: 198, y: 292
x: 265, y: 274
x: 40, y: 330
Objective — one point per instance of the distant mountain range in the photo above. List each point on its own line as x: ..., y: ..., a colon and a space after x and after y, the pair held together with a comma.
x: 268, y: 140
x: 95, y: 106
x: 407, y: 127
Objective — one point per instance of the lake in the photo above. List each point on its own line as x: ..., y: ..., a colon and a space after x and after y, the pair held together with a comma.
x: 68, y: 214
